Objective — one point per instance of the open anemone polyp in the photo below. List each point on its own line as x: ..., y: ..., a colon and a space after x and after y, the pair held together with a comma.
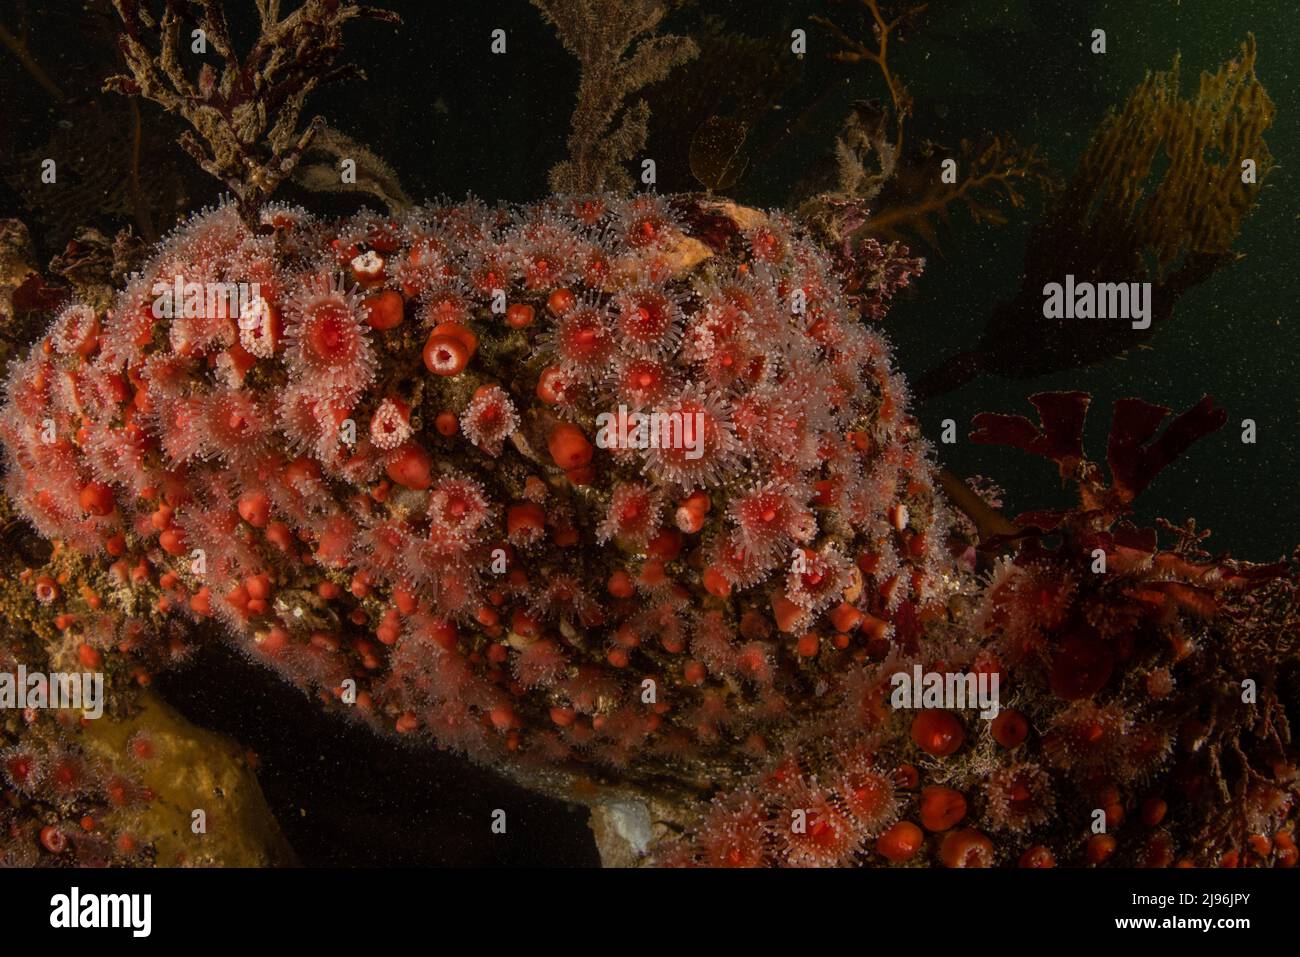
x: 393, y: 477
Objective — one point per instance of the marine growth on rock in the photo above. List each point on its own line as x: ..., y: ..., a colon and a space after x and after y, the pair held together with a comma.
x: 621, y: 496
x: 400, y: 462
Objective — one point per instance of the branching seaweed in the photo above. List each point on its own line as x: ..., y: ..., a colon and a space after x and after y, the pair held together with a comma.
x: 247, y: 118
x: 607, y: 131
x: 854, y: 50
x: 903, y: 189
x: 1160, y: 195
x: 318, y: 170
x: 1178, y: 613
x: 16, y: 41
x: 1164, y: 175
x: 995, y: 173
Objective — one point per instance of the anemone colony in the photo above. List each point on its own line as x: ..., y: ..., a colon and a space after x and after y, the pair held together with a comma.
x: 378, y: 475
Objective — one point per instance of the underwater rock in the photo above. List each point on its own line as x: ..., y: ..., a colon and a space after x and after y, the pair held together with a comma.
x: 621, y: 498
x: 374, y: 450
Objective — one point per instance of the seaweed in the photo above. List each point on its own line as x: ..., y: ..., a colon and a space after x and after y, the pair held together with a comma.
x: 247, y: 118
x: 854, y: 50
x: 607, y: 131
x: 1134, y: 453
x: 1161, y: 180
x: 318, y: 169
x: 875, y: 167
x: 1160, y: 195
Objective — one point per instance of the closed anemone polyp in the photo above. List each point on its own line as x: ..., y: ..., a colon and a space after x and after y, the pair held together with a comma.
x: 937, y: 732
x: 966, y: 848
x: 941, y: 808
